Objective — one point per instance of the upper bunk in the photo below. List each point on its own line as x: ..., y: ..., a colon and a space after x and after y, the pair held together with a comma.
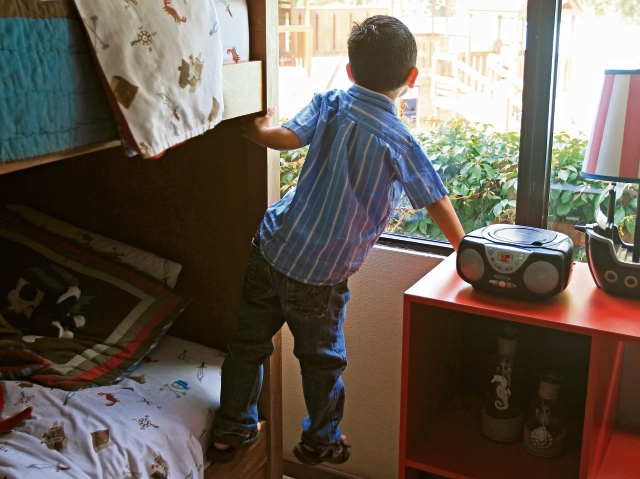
x: 147, y: 202
x: 248, y: 82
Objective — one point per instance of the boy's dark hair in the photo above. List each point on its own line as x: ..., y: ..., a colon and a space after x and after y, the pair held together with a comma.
x: 382, y: 52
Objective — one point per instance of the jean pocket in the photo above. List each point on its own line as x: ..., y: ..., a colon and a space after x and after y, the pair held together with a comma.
x: 259, y: 282
x: 307, y: 300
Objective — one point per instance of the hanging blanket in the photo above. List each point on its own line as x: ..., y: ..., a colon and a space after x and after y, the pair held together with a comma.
x: 161, y: 63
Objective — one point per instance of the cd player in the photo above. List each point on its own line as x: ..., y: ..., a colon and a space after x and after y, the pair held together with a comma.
x: 518, y: 261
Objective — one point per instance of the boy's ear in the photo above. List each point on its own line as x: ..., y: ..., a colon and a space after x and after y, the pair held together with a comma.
x: 411, y: 79
x: 349, y: 73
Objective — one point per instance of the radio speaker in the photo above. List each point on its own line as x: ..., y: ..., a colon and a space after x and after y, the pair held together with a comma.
x: 471, y: 265
x: 541, y: 277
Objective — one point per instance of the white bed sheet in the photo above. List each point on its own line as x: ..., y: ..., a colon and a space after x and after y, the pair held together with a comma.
x: 184, y: 378
x: 156, y: 423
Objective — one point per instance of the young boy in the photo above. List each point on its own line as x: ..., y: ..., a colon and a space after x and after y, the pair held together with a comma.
x: 360, y: 157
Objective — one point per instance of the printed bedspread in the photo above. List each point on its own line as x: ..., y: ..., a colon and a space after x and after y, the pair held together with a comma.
x: 162, y: 62
x: 106, y: 432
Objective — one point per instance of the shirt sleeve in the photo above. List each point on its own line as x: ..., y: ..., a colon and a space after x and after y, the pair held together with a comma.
x: 305, y: 122
x: 421, y: 182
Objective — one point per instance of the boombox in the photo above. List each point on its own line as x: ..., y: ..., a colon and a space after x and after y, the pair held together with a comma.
x: 518, y: 261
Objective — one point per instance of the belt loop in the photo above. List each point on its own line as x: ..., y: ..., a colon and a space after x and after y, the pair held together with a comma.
x: 256, y: 240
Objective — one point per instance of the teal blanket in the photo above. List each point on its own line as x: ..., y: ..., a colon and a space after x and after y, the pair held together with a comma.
x: 51, y: 98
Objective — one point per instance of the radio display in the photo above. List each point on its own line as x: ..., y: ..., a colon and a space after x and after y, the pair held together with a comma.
x: 505, y: 258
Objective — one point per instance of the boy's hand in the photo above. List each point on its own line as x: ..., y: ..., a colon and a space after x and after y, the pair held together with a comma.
x: 259, y: 130
x: 445, y: 218
x: 251, y: 128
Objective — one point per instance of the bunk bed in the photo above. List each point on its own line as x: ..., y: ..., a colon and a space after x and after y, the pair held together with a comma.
x: 198, y: 205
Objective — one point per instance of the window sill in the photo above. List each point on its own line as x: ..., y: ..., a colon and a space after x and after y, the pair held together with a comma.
x: 440, y: 248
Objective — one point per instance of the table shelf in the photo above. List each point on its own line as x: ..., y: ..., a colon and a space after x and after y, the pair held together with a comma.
x: 449, y: 332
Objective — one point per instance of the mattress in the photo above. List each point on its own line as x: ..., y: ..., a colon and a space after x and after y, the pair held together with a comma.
x: 155, y: 423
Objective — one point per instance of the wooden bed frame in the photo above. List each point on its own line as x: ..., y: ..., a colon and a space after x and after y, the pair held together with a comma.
x: 198, y: 205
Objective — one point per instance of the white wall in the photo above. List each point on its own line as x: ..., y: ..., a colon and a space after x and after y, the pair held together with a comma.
x: 373, y: 331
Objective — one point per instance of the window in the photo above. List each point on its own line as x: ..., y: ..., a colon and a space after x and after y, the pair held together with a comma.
x: 466, y: 108
x: 499, y: 104
x: 603, y: 35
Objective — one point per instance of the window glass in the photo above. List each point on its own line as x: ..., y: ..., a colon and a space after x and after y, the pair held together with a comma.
x: 465, y: 109
x: 595, y: 35
x: 469, y: 102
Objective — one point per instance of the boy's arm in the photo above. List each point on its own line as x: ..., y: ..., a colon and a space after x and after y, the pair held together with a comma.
x: 445, y: 218
x: 259, y: 131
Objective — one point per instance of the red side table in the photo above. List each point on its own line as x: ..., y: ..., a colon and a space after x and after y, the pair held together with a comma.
x: 449, y: 328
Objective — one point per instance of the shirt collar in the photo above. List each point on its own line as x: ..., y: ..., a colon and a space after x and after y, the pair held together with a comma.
x: 373, y: 98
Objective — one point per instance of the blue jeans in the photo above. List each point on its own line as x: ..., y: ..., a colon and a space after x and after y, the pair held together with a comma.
x: 315, y: 315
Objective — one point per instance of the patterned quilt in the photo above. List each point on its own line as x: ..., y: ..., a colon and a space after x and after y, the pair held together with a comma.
x: 106, y: 432
x: 51, y: 98
x: 154, y: 424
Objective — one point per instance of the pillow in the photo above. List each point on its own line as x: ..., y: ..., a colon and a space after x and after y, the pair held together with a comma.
x: 183, y: 377
x: 155, y: 266
x: 126, y: 311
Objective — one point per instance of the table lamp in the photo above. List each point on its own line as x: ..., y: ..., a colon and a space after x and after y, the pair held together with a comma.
x: 613, y: 154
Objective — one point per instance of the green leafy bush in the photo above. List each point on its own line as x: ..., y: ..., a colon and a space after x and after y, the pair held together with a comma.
x: 290, y: 166
x: 478, y: 166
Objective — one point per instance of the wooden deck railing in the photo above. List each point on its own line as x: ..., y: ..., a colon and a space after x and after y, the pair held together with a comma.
x: 461, y: 88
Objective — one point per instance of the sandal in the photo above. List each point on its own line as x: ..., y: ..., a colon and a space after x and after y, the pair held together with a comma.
x: 311, y: 452
x: 234, y: 442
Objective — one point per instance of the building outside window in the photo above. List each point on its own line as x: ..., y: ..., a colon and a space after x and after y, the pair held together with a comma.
x: 507, y: 149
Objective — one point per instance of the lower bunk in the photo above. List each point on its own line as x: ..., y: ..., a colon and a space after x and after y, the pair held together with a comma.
x: 176, y: 208
x: 155, y: 423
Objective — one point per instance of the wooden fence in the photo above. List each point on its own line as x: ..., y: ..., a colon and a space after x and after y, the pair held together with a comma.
x: 480, y: 90
x: 451, y: 78
x: 330, y: 28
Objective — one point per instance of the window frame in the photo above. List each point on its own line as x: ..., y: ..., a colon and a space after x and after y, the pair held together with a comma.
x: 536, y: 128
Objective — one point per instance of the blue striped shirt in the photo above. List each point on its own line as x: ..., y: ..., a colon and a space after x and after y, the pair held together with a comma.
x: 360, y: 156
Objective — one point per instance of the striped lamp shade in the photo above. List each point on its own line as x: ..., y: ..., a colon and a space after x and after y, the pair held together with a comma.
x: 613, y: 152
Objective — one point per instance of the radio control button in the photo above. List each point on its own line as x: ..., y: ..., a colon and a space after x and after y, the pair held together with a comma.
x: 490, y: 250
x: 521, y: 256
x: 502, y: 284
x: 511, y: 285
x: 493, y: 282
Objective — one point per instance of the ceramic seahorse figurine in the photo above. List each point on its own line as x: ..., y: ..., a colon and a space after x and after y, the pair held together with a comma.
x: 502, y: 391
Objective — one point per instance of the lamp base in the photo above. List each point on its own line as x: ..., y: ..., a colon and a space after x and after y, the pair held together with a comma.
x: 613, y: 275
